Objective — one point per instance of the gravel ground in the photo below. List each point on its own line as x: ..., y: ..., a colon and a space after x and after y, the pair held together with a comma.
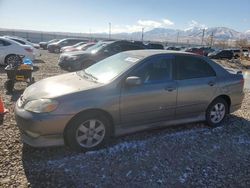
x: 191, y: 155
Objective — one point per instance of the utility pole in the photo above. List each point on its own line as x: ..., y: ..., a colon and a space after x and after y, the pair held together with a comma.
x: 90, y: 35
x: 142, y: 34
x: 109, y: 30
x: 212, y: 38
x: 202, y: 39
x: 177, y: 39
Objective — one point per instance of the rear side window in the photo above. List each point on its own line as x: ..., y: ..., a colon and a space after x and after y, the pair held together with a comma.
x: 127, y: 47
x: 191, y: 67
x: 1, y: 43
x: 4, y: 43
x: 19, y: 41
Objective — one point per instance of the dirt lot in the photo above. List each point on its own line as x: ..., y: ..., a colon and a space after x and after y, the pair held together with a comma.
x: 191, y: 155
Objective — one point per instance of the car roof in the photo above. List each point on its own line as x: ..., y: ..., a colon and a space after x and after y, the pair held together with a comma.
x: 147, y: 53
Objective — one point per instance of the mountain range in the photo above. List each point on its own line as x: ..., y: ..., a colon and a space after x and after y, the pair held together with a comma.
x: 191, y: 34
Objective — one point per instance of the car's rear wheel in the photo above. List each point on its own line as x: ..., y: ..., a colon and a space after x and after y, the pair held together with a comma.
x: 88, y: 132
x: 216, y: 112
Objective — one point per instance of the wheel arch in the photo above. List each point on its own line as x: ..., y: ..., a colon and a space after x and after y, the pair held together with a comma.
x: 226, y: 98
x: 94, y: 111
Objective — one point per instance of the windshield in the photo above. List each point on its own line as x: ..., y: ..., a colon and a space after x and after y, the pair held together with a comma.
x: 97, y: 47
x: 106, y: 70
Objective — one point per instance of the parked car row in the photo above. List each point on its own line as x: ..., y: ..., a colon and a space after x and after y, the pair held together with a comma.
x: 214, y: 53
x: 9, y: 49
x: 73, y: 61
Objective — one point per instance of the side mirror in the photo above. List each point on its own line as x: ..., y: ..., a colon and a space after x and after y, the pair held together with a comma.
x: 133, y: 81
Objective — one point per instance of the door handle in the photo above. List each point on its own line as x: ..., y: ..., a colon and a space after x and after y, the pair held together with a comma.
x: 211, y: 83
x: 169, y: 89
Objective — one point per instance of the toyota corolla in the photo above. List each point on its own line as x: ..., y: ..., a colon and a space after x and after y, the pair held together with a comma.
x: 125, y: 93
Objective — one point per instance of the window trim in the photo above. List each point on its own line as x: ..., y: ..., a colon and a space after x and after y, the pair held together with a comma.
x: 144, y: 63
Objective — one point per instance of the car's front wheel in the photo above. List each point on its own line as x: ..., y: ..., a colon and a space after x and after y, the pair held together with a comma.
x: 57, y: 50
x: 216, y: 112
x: 12, y: 59
x: 88, y: 132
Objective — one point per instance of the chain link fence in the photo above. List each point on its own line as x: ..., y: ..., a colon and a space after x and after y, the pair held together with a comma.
x: 41, y: 36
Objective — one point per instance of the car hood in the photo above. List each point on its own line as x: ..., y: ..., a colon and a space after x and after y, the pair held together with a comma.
x: 58, y: 86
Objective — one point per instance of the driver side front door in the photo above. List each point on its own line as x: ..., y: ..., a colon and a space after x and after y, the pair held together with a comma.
x: 155, y: 99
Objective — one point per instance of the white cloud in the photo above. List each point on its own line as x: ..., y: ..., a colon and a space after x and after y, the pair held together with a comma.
x: 194, y: 24
x: 146, y: 24
x: 149, y: 23
x: 168, y: 22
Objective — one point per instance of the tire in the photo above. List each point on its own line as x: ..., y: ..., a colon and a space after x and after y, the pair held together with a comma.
x: 57, y: 50
x: 216, y: 112
x: 9, y: 86
x: 9, y: 59
x: 87, y: 132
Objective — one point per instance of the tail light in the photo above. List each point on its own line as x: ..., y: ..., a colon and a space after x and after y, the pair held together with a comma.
x: 242, y: 81
x: 29, y: 50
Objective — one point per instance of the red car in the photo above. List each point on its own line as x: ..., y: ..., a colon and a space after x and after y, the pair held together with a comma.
x: 196, y: 51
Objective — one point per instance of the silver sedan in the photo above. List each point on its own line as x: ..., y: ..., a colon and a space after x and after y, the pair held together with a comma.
x: 125, y: 93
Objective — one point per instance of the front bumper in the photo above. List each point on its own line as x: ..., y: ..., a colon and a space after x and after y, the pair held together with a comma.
x: 41, y: 130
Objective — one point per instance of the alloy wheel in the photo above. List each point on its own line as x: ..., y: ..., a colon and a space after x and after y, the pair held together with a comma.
x: 90, y: 133
x: 217, y: 112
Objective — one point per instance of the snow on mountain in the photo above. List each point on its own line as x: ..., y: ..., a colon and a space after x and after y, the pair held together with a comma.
x: 220, y: 33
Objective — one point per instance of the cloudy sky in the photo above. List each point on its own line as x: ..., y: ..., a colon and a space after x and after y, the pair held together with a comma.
x: 124, y: 15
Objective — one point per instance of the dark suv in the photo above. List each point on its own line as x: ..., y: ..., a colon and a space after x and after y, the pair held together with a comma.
x: 221, y: 54
x: 56, y: 46
x: 82, y: 59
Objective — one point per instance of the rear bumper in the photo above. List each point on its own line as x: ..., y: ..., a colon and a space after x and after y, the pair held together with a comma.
x: 236, y: 102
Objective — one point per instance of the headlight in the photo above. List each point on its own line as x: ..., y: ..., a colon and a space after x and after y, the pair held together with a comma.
x: 41, y: 105
x: 72, y: 58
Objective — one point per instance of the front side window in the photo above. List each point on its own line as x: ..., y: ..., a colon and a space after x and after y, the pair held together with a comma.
x: 192, y: 67
x: 155, y: 70
x: 127, y: 47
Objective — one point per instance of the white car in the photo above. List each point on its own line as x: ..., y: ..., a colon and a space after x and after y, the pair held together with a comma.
x: 26, y: 42
x: 9, y: 50
x: 245, y: 52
